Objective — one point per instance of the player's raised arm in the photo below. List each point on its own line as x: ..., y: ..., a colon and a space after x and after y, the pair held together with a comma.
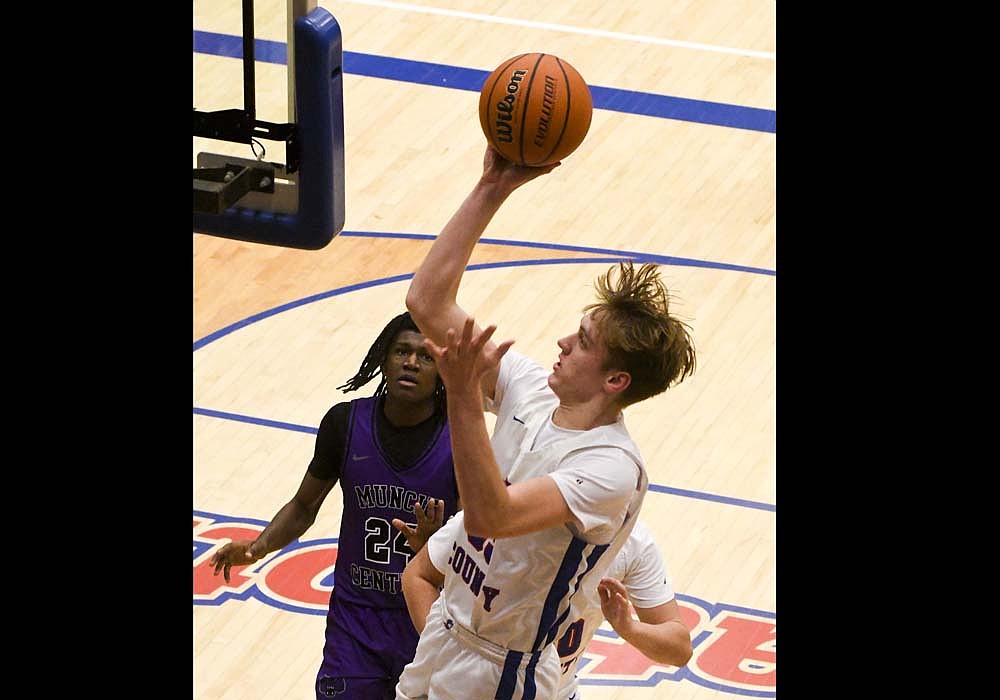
x: 432, y: 296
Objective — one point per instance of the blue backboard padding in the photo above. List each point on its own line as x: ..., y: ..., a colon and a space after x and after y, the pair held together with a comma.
x: 320, y: 216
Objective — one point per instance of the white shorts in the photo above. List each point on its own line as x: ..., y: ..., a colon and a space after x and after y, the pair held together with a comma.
x: 452, y: 663
x: 570, y: 691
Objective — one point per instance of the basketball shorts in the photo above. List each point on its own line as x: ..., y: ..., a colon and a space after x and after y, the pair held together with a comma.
x: 366, y: 650
x: 452, y: 663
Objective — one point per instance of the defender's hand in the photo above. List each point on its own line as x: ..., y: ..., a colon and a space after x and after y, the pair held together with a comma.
x: 235, y: 553
x: 428, y: 523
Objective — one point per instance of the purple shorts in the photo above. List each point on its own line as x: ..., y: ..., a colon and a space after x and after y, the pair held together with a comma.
x: 365, y: 652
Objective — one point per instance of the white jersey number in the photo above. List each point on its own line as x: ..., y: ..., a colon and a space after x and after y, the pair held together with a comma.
x: 378, y: 534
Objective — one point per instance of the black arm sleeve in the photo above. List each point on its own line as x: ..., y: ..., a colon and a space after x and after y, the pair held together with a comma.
x: 331, y: 443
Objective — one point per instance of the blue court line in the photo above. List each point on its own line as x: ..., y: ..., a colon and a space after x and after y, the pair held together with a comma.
x: 713, y: 497
x: 640, y: 257
x: 634, y: 255
x: 211, y: 337
x: 471, y: 79
x: 652, y: 487
x: 255, y: 421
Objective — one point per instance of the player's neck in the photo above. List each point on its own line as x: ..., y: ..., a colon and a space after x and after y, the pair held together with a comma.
x: 585, y: 416
x: 404, y: 414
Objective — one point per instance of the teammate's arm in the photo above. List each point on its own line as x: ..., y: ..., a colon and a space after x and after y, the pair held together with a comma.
x: 421, y: 587
x: 432, y: 296
x: 659, y: 633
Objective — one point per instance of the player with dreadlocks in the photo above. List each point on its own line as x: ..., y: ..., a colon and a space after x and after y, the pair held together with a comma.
x: 391, y: 453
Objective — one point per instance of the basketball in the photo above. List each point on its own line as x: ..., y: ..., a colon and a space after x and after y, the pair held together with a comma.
x: 535, y: 109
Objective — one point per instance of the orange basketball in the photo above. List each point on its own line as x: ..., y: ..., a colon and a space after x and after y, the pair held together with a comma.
x: 535, y: 109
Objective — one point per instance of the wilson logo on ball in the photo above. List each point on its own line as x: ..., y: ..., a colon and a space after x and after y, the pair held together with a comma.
x: 505, y: 108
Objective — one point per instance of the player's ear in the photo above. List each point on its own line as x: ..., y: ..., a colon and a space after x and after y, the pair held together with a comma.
x: 617, y: 382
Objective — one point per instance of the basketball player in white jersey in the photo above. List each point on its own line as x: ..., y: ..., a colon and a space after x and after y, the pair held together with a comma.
x: 550, y: 502
x: 637, y: 574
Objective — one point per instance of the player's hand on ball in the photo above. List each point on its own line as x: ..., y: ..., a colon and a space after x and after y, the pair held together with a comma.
x: 502, y: 172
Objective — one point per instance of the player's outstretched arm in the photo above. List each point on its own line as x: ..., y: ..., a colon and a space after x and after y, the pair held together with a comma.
x: 289, y: 523
x: 659, y: 633
x: 433, y: 292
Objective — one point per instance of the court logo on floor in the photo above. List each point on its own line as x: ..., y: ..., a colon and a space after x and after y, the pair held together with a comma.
x: 735, y: 647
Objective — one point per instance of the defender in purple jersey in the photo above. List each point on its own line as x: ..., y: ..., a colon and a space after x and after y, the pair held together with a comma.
x: 391, y: 453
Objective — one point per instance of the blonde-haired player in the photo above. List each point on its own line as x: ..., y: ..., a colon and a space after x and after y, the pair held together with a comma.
x: 551, y: 498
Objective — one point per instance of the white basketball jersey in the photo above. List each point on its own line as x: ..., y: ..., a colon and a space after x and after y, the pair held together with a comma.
x: 640, y: 568
x: 516, y: 592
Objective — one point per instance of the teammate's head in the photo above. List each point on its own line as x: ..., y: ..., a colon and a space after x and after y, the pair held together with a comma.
x: 639, y: 336
x: 398, y: 350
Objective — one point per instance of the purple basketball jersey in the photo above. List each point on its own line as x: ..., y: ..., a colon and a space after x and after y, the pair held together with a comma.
x: 371, y: 553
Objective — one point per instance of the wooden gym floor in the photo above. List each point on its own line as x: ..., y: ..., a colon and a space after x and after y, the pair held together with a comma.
x: 678, y: 168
